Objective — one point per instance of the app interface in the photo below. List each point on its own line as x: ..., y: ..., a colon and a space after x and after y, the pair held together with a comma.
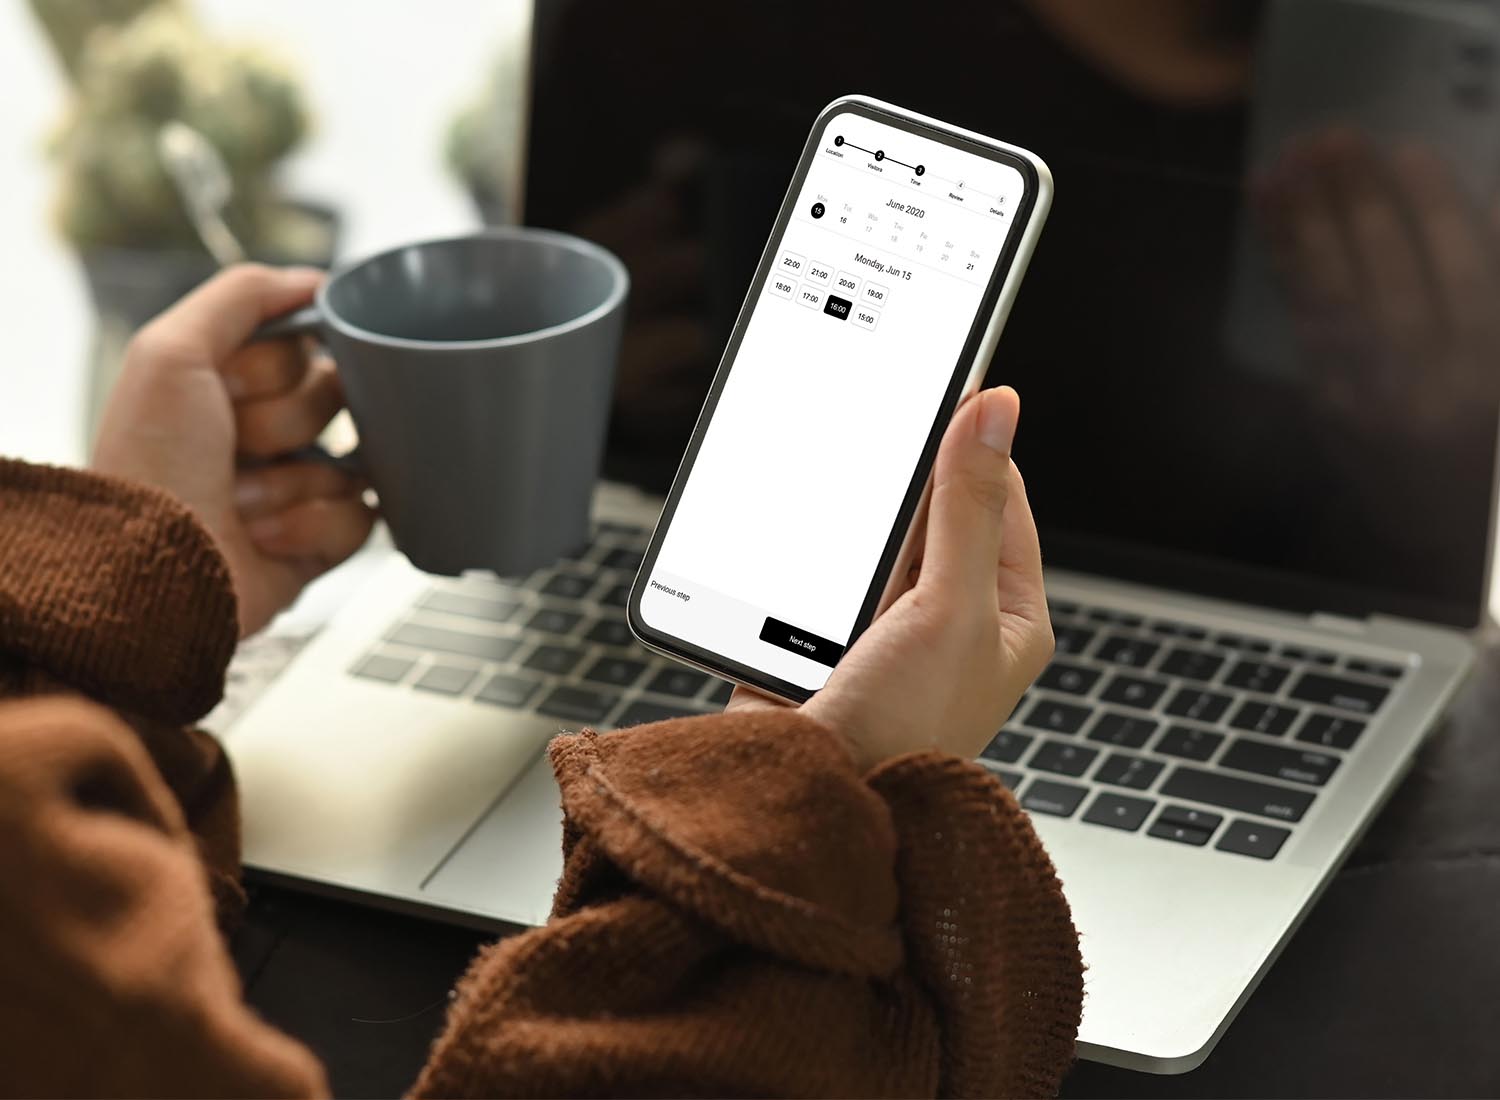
x: 843, y: 365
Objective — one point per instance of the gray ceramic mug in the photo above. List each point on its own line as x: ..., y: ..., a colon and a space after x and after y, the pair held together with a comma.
x: 479, y: 372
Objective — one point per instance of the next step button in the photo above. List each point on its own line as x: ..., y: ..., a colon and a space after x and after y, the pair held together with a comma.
x: 796, y: 640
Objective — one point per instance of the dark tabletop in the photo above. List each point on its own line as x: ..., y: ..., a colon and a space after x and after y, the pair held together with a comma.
x: 1390, y: 988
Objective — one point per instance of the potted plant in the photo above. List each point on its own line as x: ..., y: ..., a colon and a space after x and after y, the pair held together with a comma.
x: 135, y: 66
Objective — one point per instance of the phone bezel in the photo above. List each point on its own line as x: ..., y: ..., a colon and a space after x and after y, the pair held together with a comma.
x: 716, y: 663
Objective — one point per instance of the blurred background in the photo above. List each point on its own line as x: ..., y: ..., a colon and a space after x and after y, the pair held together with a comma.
x: 341, y: 126
x: 1279, y: 219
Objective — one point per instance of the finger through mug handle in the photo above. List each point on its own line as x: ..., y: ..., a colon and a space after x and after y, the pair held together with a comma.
x: 307, y: 321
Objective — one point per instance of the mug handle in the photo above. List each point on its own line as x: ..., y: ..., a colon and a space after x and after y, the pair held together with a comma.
x: 307, y: 321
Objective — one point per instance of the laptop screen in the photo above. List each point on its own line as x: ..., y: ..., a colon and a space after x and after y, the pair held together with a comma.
x: 1259, y: 346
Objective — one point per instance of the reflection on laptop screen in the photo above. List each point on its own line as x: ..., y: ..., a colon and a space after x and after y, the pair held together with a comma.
x: 1258, y: 347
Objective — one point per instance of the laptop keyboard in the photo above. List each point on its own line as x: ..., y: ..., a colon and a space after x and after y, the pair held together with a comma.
x: 554, y: 643
x: 1154, y: 727
x: 1183, y: 734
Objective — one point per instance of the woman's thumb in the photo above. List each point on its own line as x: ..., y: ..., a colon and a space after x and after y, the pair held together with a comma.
x: 971, y: 486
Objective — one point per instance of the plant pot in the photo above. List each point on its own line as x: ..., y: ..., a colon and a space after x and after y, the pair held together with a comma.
x: 129, y: 286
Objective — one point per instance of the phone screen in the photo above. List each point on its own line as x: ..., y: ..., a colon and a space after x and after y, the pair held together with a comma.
x: 876, y: 292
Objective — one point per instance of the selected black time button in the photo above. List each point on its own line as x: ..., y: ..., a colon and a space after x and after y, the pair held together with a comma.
x: 796, y: 640
x: 838, y: 307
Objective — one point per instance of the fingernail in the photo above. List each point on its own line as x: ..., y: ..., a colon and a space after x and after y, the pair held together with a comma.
x: 248, y: 492
x: 266, y: 529
x: 997, y: 422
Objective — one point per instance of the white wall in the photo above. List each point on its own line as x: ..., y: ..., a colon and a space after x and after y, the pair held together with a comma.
x: 383, y: 78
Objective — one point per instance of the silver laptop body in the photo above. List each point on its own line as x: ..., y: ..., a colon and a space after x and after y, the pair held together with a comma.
x: 399, y: 759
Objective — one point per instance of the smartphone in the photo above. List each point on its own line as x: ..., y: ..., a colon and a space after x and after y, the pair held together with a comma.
x: 874, y: 311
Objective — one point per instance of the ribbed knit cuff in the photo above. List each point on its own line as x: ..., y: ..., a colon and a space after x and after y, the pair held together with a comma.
x: 114, y: 589
x: 754, y: 821
x: 987, y: 923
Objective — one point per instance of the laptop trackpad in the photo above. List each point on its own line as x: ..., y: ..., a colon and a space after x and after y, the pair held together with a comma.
x: 508, y: 866
x: 369, y: 786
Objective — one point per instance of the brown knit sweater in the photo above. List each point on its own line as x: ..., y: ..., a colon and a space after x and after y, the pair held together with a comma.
x: 741, y: 912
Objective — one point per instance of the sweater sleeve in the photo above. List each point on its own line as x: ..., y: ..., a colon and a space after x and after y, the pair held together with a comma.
x: 742, y: 913
x: 115, y: 591
x: 116, y: 979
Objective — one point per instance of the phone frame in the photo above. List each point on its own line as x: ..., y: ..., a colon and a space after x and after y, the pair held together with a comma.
x: 968, y: 372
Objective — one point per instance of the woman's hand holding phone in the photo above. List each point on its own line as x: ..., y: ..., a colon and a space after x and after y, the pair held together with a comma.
x: 946, y: 664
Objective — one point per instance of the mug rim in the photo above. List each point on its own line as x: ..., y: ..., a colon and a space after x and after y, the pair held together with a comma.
x: 612, y: 301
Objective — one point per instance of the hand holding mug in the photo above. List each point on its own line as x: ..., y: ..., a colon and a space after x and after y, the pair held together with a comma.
x: 198, y: 411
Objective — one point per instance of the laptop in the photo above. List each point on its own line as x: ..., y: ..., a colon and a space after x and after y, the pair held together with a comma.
x: 1262, y: 606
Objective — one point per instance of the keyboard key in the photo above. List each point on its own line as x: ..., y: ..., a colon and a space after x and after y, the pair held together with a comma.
x: 1250, y: 838
x: 451, y: 603
x: 1297, y: 765
x: 677, y: 681
x: 1255, y: 645
x: 1182, y: 834
x: 1122, y: 770
x: 1074, y: 679
x: 610, y: 632
x: 619, y: 671
x: 506, y: 690
x: 1125, y: 730
x: 1200, y: 706
x: 1133, y: 622
x: 719, y: 696
x: 570, y: 586
x: 1061, y: 607
x: 1057, y: 717
x: 1135, y: 652
x: 1072, y: 640
x: 1006, y: 747
x: 623, y: 558
x: 1189, y: 743
x: 1043, y: 796
x: 378, y: 666
x: 556, y: 659
x: 1063, y: 759
x: 1232, y: 793
x: 1330, y: 731
x: 1119, y: 811
x: 642, y: 711
x: 554, y: 620
x: 1375, y: 668
x: 617, y: 596
x: 1191, y: 818
x: 1295, y: 653
x: 1191, y: 664
x: 447, y: 679
x: 1195, y: 634
x: 1335, y: 691
x: 1132, y: 691
x: 1264, y: 718
x: 1011, y: 779
x: 1230, y: 641
x: 1100, y: 615
x: 1166, y: 630
x: 1326, y: 659
x: 1262, y: 676
x: 488, y: 647
x: 578, y: 704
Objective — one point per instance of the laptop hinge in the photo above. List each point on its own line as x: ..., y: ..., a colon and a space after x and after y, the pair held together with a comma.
x: 1342, y: 623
